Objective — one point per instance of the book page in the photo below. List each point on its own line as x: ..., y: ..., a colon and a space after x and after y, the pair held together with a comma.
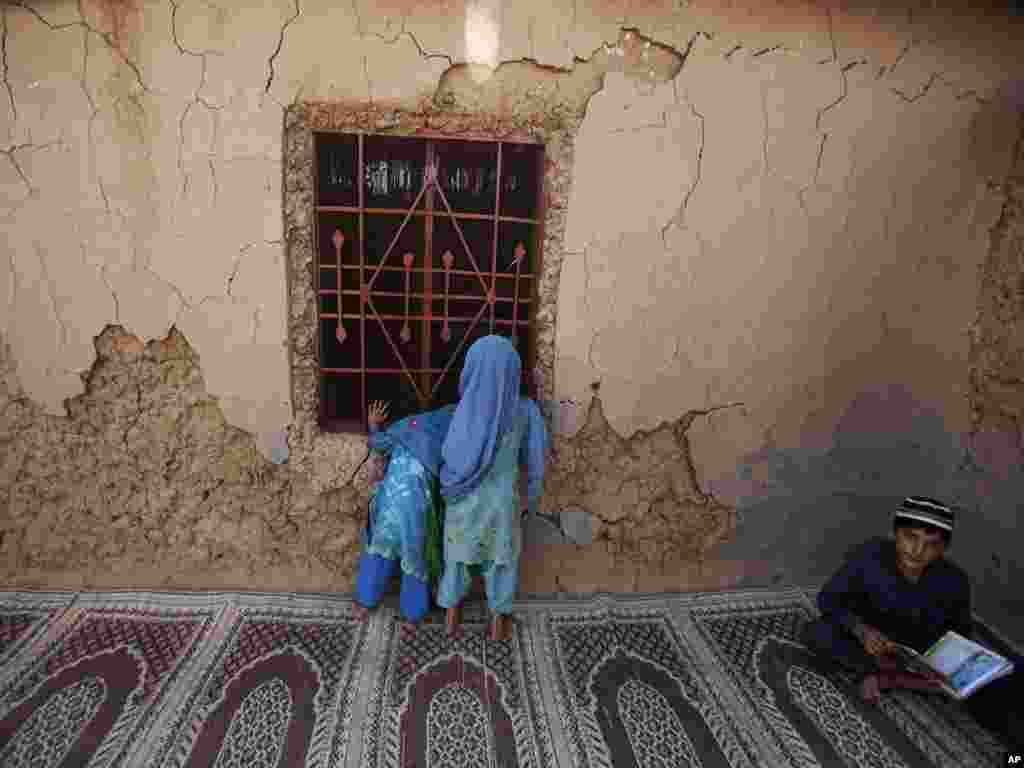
x: 950, y: 653
x: 976, y: 668
x: 964, y: 664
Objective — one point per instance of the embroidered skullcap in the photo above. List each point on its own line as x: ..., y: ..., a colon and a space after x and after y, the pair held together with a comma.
x: 925, y: 510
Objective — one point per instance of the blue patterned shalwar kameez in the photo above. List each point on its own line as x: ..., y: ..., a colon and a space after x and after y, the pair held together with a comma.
x: 397, y: 536
x: 483, y: 528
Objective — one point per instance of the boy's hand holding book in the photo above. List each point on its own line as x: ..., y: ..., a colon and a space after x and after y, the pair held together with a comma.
x: 874, y: 642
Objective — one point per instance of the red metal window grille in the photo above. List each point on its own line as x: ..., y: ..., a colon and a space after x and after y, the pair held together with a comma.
x: 423, y: 246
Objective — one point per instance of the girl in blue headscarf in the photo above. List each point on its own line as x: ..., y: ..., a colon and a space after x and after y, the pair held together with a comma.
x: 404, y: 525
x: 493, y: 432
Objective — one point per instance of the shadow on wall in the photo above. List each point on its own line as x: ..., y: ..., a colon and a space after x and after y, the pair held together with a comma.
x: 816, y: 505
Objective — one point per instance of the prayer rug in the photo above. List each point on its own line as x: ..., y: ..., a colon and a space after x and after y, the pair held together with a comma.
x: 91, y: 682
x: 147, y: 680
x: 462, y: 702
x: 807, y: 712
x: 631, y: 693
x: 23, y: 616
x: 274, y: 688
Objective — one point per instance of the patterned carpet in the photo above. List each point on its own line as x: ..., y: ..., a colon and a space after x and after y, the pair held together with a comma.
x: 268, y: 681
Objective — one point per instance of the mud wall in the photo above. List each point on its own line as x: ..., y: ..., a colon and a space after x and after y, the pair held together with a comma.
x: 781, y: 244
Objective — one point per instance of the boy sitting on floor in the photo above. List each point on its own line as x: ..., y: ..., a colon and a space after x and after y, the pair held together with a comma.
x: 905, y: 591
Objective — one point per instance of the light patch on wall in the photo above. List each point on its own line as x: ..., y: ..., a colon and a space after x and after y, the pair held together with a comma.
x: 483, y: 37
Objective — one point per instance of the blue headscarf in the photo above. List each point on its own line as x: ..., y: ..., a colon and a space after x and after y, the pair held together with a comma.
x: 487, y: 410
x: 422, y: 434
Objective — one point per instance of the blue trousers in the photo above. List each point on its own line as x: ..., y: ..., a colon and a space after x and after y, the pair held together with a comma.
x: 375, y: 573
x: 501, y: 582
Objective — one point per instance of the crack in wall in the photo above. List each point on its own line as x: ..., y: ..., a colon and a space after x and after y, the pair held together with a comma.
x: 422, y: 51
x: 111, y: 212
x: 10, y: 152
x: 886, y: 71
x: 366, y: 76
x: 920, y: 94
x: 54, y: 304
x: 764, y: 137
x: 280, y: 44
x: 844, y: 90
x: 82, y: 23
x: 237, y: 261
x: 137, y: 116
x: 912, y: 43
x: 801, y: 193
x: 197, y: 100
x: 587, y: 292
x: 93, y: 112
x: 3, y: 62
x: 679, y: 218
x: 102, y: 271
x: 257, y: 316
x: 360, y: 26
x: 12, y: 300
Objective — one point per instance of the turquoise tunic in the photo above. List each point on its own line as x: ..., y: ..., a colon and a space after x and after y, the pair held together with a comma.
x: 398, y: 513
x: 484, y: 526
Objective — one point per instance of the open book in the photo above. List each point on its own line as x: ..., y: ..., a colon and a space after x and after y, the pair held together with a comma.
x: 961, y: 665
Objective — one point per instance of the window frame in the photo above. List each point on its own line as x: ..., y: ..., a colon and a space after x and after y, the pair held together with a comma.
x: 351, y: 425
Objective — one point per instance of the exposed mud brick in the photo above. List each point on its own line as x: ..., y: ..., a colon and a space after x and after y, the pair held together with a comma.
x: 997, y: 337
x: 145, y: 484
x: 642, y: 490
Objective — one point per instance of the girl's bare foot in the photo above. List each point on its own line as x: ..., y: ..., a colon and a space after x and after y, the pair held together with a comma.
x: 453, y: 620
x: 501, y: 626
x: 870, y: 689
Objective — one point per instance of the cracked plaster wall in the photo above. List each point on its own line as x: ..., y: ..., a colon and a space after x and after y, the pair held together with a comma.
x: 781, y: 207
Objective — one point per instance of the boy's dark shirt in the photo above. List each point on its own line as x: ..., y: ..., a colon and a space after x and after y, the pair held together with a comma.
x: 869, y: 588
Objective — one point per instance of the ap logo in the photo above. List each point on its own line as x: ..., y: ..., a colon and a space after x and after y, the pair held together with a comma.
x: 1013, y: 759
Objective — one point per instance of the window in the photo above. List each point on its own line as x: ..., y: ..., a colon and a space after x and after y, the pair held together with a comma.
x: 423, y: 246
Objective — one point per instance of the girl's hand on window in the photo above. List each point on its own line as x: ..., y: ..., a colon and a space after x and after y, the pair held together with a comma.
x: 378, y: 413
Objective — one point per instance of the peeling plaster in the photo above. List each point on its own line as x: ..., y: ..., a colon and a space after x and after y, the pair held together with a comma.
x: 150, y: 456
x: 529, y: 86
x: 535, y: 101
x: 642, y: 491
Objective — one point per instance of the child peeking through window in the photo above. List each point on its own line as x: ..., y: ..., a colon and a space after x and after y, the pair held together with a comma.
x: 493, y: 432
x: 404, y: 521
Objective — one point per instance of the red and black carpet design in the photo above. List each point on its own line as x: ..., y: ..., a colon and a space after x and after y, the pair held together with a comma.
x: 456, y: 702
x: 147, y: 680
x: 630, y: 692
x: 275, y: 690
x: 94, y: 680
